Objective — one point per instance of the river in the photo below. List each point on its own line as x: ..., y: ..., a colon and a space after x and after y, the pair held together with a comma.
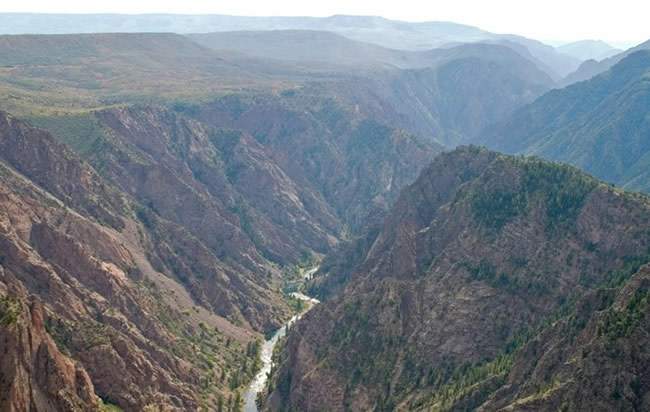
x: 259, y: 381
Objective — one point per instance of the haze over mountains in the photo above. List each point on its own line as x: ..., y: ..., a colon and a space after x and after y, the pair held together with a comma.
x: 590, y: 68
x: 411, y: 97
x: 163, y: 194
x: 376, y: 30
x: 589, y: 49
x: 600, y: 125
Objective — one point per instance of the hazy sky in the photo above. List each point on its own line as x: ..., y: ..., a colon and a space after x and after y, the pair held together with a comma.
x: 614, y: 21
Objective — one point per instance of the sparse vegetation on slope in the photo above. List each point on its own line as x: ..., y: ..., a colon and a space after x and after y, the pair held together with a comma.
x: 481, y: 255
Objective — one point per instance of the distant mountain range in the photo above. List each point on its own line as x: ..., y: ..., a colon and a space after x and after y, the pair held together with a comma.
x: 588, y: 49
x: 557, y: 62
x: 420, y: 91
x: 324, y: 47
x: 591, y: 68
x: 377, y: 30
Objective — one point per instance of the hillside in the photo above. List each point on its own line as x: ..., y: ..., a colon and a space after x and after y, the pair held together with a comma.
x: 477, y: 257
x: 467, y: 88
x: 116, y: 288
x: 593, y: 359
x: 82, y: 71
x: 552, y: 60
x: 600, y: 125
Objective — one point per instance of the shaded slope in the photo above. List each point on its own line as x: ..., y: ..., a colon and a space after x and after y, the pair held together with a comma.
x: 600, y: 125
x: 356, y: 163
x: 467, y: 88
x: 553, y: 61
x: 595, y: 358
x: 219, y: 184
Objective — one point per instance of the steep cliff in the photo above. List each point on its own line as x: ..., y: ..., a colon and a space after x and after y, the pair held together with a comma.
x: 356, y: 162
x: 221, y: 185
x: 472, y: 260
x: 35, y: 374
x: 124, y: 303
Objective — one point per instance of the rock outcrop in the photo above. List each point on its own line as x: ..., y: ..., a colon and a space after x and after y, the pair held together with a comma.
x: 35, y: 374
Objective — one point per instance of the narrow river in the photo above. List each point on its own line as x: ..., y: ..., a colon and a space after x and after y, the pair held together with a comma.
x: 259, y: 381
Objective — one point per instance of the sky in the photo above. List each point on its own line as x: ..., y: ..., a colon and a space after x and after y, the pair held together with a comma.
x: 620, y: 21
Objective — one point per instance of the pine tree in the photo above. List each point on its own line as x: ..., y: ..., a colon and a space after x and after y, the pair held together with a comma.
x: 220, y: 403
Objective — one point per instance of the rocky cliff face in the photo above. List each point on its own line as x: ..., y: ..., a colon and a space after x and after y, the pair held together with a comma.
x: 473, y: 87
x: 129, y: 305
x: 36, y: 375
x: 152, y: 257
x: 473, y: 259
x: 47, y: 162
x: 355, y: 162
x: 219, y: 184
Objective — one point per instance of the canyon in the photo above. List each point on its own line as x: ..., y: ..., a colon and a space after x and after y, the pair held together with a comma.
x: 172, y: 203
